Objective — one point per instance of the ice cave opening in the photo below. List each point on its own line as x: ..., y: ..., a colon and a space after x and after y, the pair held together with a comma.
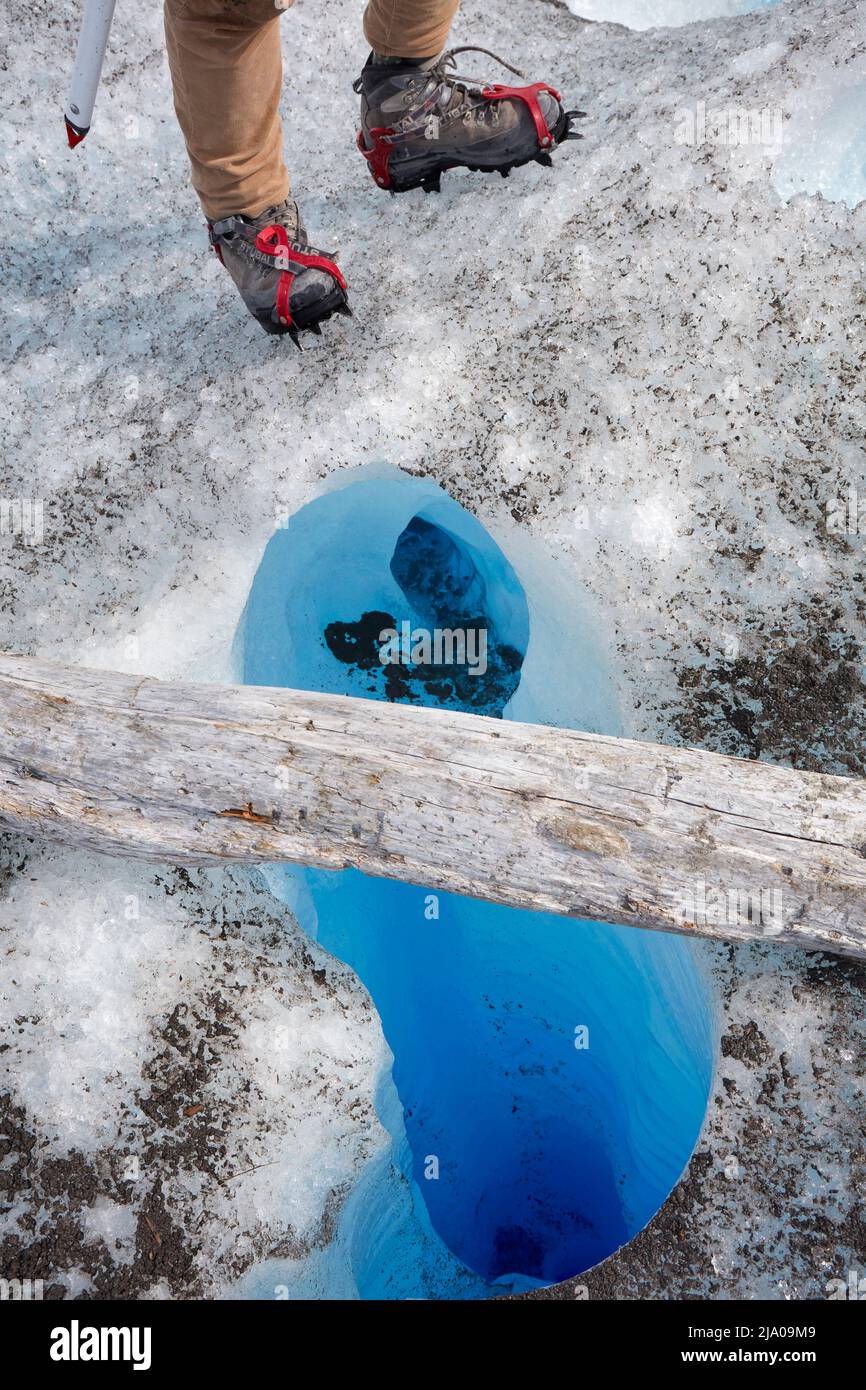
x: 662, y: 14
x: 550, y: 1078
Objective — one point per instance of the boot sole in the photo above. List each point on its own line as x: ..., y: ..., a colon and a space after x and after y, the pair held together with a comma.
x: 310, y: 318
x: 429, y: 174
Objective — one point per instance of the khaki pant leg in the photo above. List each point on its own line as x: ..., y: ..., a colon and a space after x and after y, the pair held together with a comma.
x: 226, y: 70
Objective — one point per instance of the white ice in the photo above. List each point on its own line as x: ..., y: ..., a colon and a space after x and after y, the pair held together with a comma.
x: 825, y: 145
x: 658, y: 14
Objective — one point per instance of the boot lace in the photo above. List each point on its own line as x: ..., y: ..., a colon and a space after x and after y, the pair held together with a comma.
x: 440, y: 92
x: 285, y: 214
x: 458, y: 95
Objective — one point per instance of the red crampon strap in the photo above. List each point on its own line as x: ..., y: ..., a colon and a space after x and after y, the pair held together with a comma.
x: 378, y: 156
x: 529, y: 96
x: 284, y: 290
x: 273, y: 240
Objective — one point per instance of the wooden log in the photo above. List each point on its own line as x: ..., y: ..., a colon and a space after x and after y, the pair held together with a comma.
x: 534, y: 817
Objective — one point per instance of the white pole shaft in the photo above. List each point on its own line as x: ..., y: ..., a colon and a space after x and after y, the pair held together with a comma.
x: 92, y: 42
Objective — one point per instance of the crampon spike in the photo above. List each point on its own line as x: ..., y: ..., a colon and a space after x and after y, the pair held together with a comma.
x: 544, y: 159
x: 293, y: 334
x: 569, y: 133
x: 345, y: 310
x: 316, y: 328
x: 505, y: 170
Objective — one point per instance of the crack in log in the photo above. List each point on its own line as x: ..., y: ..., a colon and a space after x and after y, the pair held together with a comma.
x: 247, y: 813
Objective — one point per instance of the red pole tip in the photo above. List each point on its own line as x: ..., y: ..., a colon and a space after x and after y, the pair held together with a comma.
x: 74, y: 133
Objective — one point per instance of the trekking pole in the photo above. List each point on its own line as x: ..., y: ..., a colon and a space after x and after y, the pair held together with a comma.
x: 89, y: 57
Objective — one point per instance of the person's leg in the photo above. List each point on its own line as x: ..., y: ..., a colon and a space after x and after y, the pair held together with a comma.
x: 408, y: 28
x: 226, y: 70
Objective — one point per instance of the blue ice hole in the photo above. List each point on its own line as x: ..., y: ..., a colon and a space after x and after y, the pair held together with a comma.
x: 521, y: 1155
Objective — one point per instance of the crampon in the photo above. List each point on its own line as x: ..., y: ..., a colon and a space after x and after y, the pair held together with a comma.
x: 287, y: 285
x: 419, y: 120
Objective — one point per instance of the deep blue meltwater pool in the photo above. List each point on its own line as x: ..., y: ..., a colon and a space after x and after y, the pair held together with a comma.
x: 550, y: 1077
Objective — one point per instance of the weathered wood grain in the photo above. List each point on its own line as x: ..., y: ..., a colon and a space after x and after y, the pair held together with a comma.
x: 565, y: 822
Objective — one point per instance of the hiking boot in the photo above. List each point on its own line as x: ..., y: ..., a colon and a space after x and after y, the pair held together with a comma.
x: 418, y: 118
x: 284, y: 282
